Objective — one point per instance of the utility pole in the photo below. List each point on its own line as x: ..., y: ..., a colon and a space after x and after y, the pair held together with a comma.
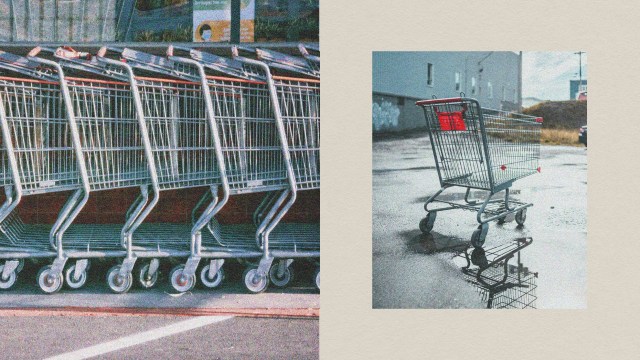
x: 579, y: 53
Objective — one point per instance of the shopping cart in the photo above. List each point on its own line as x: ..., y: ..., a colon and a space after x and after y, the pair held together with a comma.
x: 479, y: 148
x: 297, y: 87
x: 258, y: 159
x: 42, y: 153
x: 186, y: 142
x: 181, y: 152
x: 500, y: 284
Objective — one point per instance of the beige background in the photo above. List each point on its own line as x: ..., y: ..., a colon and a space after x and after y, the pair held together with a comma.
x: 609, y: 32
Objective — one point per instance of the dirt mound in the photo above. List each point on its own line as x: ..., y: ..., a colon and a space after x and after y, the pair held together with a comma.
x: 560, y: 114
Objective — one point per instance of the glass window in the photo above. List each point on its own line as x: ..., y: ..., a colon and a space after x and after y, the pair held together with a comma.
x: 473, y: 85
x: 429, y: 74
x: 490, y: 89
x: 287, y: 20
x: 457, y: 80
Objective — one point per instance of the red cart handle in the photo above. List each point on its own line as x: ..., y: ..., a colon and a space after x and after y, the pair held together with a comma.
x: 438, y: 101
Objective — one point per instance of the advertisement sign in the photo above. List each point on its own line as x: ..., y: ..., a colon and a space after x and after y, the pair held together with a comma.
x: 212, y: 20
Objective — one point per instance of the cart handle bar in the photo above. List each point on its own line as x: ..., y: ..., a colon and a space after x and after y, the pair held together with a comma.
x: 439, y: 101
x: 538, y: 119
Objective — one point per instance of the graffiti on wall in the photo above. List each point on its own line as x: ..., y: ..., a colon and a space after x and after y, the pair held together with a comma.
x: 385, y: 116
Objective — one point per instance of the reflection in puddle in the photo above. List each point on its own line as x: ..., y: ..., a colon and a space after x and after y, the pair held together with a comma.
x: 498, y: 273
x: 500, y: 277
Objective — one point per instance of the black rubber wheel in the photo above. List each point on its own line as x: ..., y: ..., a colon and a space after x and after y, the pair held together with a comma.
x: 283, y: 281
x: 11, y: 280
x: 521, y: 216
x: 426, y: 224
x: 49, y: 281
x: 211, y: 283
x: 502, y: 220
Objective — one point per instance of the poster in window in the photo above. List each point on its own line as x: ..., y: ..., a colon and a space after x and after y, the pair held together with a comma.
x: 212, y: 20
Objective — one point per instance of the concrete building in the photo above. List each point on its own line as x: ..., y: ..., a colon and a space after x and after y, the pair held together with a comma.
x: 575, y: 87
x: 400, y: 78
x: 63, y: 21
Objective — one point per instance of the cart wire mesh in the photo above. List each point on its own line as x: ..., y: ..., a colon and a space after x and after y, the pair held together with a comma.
x: 39, y: 132
x: 519, y: 291
x: 481, y: 148
x: 299, y: 101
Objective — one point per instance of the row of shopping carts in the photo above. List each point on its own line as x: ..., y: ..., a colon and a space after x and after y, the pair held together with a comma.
x: 80, y: 123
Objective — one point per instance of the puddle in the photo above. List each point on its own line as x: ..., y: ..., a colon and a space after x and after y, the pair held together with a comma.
x: 433, y: 243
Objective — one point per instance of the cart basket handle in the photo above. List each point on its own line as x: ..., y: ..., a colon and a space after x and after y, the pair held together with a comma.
x: 439, y: 101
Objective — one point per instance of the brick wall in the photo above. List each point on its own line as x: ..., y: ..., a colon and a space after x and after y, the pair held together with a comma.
x: 174, y: 206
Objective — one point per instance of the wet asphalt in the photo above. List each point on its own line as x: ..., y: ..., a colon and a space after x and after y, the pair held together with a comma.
x: 411, y: 270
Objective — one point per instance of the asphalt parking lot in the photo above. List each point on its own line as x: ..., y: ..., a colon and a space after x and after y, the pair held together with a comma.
x: 159, y: 337
x: 158, y: 323
x: 406, y: 275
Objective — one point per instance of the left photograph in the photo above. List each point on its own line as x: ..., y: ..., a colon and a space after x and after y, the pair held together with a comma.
x: 161, y: 159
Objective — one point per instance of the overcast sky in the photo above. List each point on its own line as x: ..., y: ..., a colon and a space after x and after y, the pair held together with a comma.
x: 546, y: 75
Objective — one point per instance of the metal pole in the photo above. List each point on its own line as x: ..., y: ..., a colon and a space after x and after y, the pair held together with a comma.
x: 579, y: 53
x: 235, y: 21
x: 520, y: 81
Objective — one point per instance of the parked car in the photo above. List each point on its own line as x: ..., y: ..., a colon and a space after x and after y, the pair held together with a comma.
x: 583, y: 135
x: 582, y: 96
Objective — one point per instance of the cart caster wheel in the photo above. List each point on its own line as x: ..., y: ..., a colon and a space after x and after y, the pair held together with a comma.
x: 208, y: 282
x: 521, y: 216
x: 426, y: 224
x: 280, y: 281
x: 254, y: 283
x: 49, y: 281
x: 11, y: 280
x: 69, y: 275
x: 179, y: 281
x: 479, y: 235
x: 145, y: 280
x: 317, y: 278
x: 502, y: 220
x: 118, y: 283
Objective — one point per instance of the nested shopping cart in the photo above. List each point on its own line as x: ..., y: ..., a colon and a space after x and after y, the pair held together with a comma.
x: 296, y: 85
x: 196, y: 145
x: 258, y: 160
x: 41, y: 146
x: 484, y: 149
x: 182, y: 151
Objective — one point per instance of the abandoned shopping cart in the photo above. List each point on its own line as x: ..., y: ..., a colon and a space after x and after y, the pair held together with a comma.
x: 484, y: 149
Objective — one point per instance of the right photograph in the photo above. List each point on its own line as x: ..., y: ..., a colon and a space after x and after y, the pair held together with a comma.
x: 479, y: 179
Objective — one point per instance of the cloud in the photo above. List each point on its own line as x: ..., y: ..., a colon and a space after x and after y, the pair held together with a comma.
x: 546, y: 75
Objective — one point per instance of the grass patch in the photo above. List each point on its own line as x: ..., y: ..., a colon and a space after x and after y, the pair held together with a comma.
x: 559, y: 137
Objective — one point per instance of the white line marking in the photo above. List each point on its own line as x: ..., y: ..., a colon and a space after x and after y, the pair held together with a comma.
x: 139, y: 338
